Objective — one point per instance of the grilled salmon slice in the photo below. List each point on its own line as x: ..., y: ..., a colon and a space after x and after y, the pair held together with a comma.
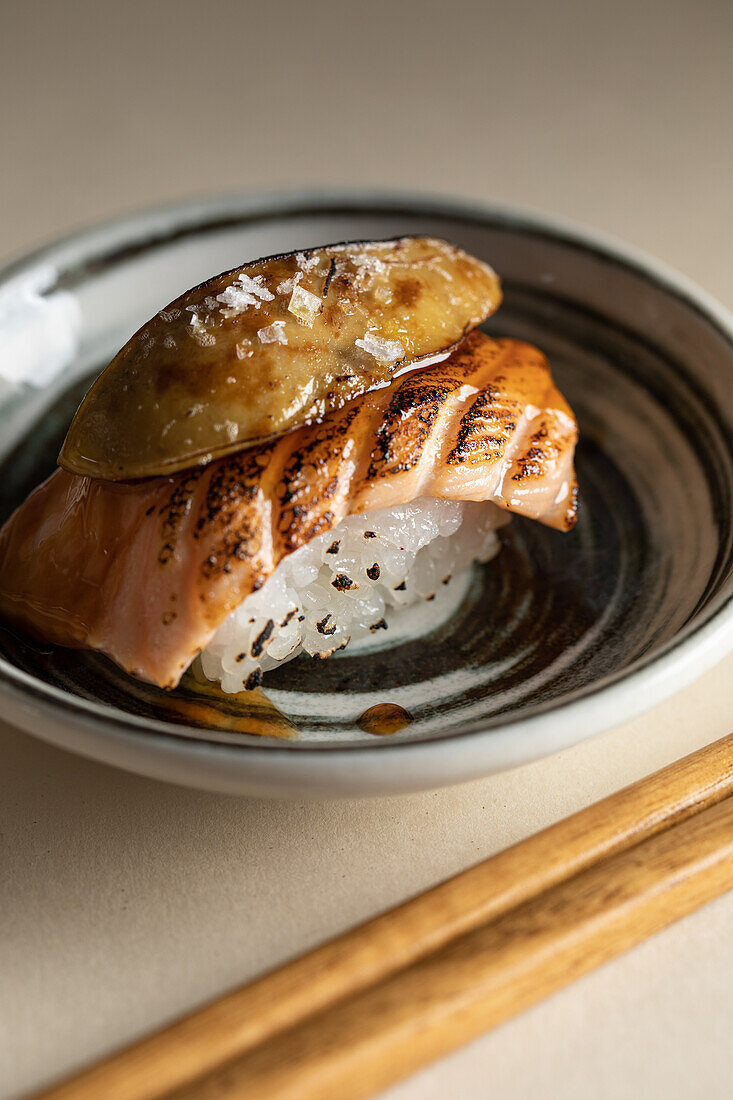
x: 146, y: 571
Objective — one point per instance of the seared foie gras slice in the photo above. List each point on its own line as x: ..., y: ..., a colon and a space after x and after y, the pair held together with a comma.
x: 272, y: 346
x: 146, y: 571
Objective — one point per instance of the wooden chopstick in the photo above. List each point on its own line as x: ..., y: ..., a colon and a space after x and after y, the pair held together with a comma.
x: 360, y: 970
x: 359, y: 1046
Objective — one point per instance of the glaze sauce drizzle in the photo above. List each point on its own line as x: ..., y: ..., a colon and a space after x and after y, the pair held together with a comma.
x: 384, y: 719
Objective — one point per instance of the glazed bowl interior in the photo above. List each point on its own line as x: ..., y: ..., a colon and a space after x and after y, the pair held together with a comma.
x: 555, y: 619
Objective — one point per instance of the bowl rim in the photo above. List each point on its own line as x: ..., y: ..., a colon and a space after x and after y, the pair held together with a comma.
x: 466, y: 752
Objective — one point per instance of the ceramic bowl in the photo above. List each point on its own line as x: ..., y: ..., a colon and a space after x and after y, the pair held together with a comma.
x: 558, y: 638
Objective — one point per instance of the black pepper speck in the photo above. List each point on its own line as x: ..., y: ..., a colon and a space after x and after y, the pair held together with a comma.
x: 253, y: 680
x: 342, y: 583
x: 259, y: 643
x: 322, y: 627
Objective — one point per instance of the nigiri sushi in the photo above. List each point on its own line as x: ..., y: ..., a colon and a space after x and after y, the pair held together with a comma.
x: 306, y: 540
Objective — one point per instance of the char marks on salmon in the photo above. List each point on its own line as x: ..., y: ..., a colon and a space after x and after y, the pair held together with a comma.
x: 146, y: 571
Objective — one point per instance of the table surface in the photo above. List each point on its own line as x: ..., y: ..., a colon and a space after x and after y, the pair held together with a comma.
x: 124, y: 901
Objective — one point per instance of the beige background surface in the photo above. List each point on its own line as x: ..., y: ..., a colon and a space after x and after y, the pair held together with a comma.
x: 124, y: 901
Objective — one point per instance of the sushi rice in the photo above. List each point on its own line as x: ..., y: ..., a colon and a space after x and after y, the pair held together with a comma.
x: 349, y: 584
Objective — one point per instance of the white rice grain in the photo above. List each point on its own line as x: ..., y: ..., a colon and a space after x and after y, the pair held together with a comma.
x: 346, y: 583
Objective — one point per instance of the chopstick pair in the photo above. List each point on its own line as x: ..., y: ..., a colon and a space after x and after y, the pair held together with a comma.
x: 385, y: 998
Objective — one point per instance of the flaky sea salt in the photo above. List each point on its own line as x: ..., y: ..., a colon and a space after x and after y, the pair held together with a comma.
x: 273, y: 334
x: 304, y: 305
x: 244, y: 293
x: 198, y: 329
x: 307, y: 263
x: 229, y: 428
x: 369, y: 264
x: 383, y: 350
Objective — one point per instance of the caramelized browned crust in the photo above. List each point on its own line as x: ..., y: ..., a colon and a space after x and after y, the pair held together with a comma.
x: 271, y: 346
x: 146, y: 571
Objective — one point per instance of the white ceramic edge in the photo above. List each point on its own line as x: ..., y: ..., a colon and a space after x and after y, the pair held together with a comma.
x: 333, y: 772
x: 361, y: 771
